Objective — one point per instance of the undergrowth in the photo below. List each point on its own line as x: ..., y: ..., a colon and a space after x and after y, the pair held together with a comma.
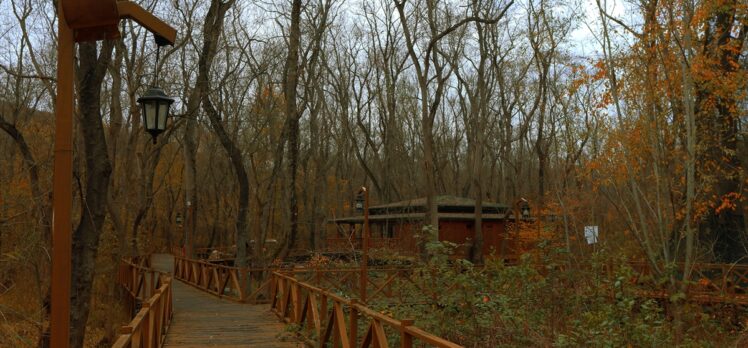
x: 542, y: 302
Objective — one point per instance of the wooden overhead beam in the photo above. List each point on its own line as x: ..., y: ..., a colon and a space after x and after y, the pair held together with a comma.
x: 91, y: 20
x: 165, y: 34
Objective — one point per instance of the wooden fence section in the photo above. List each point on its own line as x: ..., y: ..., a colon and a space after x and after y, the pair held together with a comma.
x: 139, y: 281
x: 239, y: 284
x: 402, y: 245
x: 308, y: 296
x: 321, y: 317
x: 379, y: 286
x: 151, y: 291
x: 251, y: 285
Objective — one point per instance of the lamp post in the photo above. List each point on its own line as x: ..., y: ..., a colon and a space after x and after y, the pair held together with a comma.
x: 78, y: 21
x: 362, y: 205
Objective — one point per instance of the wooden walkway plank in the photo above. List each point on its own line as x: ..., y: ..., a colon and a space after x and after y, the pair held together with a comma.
x: 203, y: 320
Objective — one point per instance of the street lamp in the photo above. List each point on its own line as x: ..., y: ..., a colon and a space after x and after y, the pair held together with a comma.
x: 78, y: 21
x: 155, y: 104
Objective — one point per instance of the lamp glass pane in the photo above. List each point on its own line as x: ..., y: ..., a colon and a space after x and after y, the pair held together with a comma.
x: 150, y: 115
x: 163, y: 111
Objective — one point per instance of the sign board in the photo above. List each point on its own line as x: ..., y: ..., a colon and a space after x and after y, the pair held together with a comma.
x: 591, y: 233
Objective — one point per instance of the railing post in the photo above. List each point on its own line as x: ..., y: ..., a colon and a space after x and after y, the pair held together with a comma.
x: 147, y: 326
x: 353, y: 324
x: 282, y: 289
x: 725, y: 287
x: 273, y: 291
x: 296, y: 302
x: 152, y: 285
x: 406, y: 340
x: 323, y: 308
x: 170, y: 309
x: 157, y: 316
x: 245, y: 280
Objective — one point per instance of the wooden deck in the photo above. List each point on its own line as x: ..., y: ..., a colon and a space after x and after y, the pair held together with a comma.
x: 203, y: 320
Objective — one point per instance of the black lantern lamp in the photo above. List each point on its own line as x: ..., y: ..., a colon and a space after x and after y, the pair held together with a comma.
x: 359, y: 203
x: 155, y: 103
x: 525, y: 210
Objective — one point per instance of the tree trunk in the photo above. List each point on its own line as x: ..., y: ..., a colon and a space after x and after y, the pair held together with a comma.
x: 91, y: 72
x: 292, y: 116
x: 190, y: 172
x: 237, y: 162
x: 211, y: 34
x: 717, y: 121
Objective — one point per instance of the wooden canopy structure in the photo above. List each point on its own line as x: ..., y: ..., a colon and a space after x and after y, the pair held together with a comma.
x: 394, y: 227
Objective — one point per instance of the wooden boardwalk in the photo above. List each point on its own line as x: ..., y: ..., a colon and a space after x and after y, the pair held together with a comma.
x: 203, y: 320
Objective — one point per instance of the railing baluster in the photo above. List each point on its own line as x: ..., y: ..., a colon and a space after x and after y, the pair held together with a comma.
x: 353, y: 317
x: 406, y: 340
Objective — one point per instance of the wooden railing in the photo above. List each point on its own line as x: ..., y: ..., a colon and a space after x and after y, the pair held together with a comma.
x: 138, y: 280
x: 379, y: 286
x: 251, y: 285
x: 394, y: 244
x: 724, y: 283
x: 150, y: 293
x: 321, y: 317
x: 238, y: 284
x: 310, y: 297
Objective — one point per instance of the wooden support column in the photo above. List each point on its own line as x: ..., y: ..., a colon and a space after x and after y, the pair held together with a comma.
x: 406, y: 340
x: 62, y: 187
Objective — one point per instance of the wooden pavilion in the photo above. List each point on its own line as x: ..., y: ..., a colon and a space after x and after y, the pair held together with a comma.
x: 394, y: 227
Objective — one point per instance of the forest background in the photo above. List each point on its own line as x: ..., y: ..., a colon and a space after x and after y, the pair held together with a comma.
x: 285, y: 108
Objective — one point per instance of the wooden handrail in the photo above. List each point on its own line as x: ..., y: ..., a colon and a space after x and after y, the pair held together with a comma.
x: 321, y: 316
x: 396, y: 244
x: 233, y: 283
x: 153, y: 291
x: 252, y: 284
x: 301, y: 295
